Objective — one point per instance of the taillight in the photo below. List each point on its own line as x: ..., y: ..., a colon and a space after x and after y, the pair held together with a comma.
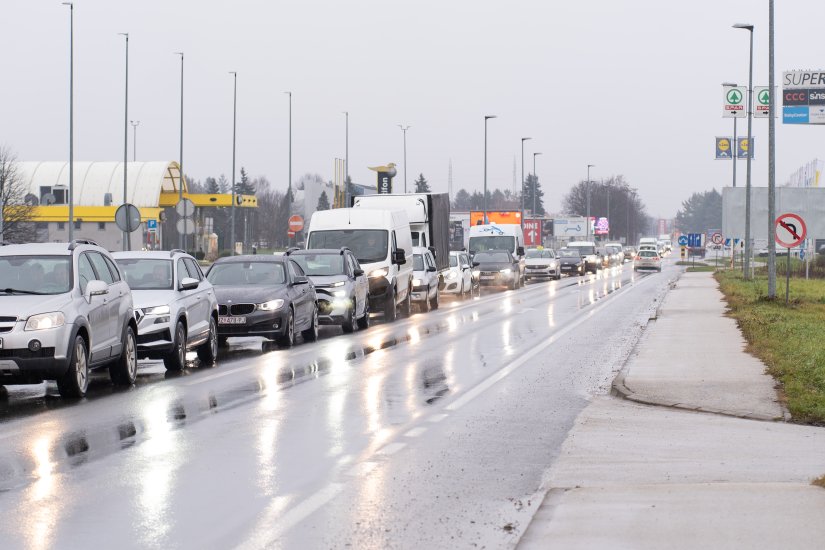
x: 638, y: 258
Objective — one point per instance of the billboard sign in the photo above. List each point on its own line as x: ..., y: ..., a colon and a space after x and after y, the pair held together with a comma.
x: 495, y: 216
x: 723, y: 148
x: 761, y: 101
x: 532, y: 232
x: 734, y: 102
x: 743, y: 147
x: 570, y: 227
x: 803, y: 97
x: 602, y: 227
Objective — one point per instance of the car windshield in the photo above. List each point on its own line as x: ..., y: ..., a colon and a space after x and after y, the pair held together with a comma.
x: 418, y: 262
x: 569, y: 254
x: 585, y: 250
x: 492, y: 257
x: 35, y: 275
x: 499, y: 242
x: 147, y: 273
x: 453, y: 261
x: 648, y: 254
x: 247, y: 273
x: 319, y: 265
x: 368, y: 245
x: 536, y: 253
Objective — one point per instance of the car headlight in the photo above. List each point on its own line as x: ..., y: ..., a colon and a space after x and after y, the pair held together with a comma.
x: 379, y: 273
x: 157, y: 310
x: 340, y: 293
x: 476, y: 273
x: 271, y: 305
x: 339, y: 283
x: 452, y: 275
x: 506, y: 271
x: 417, y: 282
x: 46, y: 320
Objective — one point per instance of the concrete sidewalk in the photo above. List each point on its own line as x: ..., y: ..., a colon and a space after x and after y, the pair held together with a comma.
x: 631, y: 475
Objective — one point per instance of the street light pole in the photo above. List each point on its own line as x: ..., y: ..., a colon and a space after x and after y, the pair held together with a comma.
x: 486, y: 118
x: 522, y: 180
x: 404, y: 129
x: 747, y: 263
x: 587, y: 217
x: 127, y: 236
x: 234, y: 128
x: 346, y: 160
x: 135, y: 124
x: 181, y: 235
x: 71, y: 119
x: 734, y: 146
x: 289, y: 182
x: 535, y: 183
x: 771, y: 155
x: 608, y: 209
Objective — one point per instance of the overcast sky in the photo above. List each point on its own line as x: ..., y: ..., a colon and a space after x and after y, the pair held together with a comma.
x: 632, y: 86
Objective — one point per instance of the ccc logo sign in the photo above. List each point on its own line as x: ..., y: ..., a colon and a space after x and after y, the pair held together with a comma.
x: 796, y: 97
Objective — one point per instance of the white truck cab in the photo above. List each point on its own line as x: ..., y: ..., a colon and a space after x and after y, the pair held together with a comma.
x: 499, y: 237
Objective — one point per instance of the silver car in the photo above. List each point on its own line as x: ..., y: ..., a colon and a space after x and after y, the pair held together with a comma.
x: 64, y: 309
x: 176, y: 306
x: 425, y: 279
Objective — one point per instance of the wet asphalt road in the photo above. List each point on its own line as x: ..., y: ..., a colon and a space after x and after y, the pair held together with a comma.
x: 431, y: 432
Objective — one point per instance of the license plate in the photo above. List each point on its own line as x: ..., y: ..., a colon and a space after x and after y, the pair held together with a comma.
x: 487, y: 277
x: 231, y: 320
x: 566, y: 268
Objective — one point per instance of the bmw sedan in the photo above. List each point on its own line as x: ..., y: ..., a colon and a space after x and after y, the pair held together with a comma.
x: 267, y: 296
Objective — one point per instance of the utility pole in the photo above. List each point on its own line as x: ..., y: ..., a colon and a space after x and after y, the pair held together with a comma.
x: 234, y: 134
x: 182, y: 234
x: 522, y: 180
x: 771, y: 155
x: 587, y: 220
x: 127, y: 235
x: 135, y: 124
x: 71, y: 119
x: 404, y: 130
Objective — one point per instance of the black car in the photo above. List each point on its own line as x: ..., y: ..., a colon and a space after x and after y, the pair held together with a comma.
x: 267, y: 296
x: 341, y: 287
x: 571, y: 261
x: 497, y: 268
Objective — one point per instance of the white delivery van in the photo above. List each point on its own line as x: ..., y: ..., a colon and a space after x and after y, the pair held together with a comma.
x: 381, y: 241
x: 499, y: 237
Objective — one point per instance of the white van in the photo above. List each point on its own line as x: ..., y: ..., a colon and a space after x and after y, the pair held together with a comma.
x: 503, y: 236
x: 381, y: 241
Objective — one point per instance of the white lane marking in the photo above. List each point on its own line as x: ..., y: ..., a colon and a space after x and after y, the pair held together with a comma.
x: 391, y: 449
x: 362, y: 469
x: 415, y: 432
x: 509, y: 368
x: 437, y: 418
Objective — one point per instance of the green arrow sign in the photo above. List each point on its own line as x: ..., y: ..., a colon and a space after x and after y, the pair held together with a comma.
x: 734, y: 97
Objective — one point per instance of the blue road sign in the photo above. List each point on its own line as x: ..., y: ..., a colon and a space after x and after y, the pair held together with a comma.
x: 151, y: 224
x: 735, y: 242
x: 695, y: 239
x: 683, y: 240
x: 801, y: 253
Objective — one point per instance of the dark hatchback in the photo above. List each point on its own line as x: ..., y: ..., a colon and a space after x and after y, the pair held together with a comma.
x: 571, y: 262
x: 267, y: 296
x: 341, y: 286
x: 497, y: 268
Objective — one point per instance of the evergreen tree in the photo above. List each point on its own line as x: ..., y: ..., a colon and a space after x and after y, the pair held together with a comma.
x: 530, y: 184
x: 223, y: 185
x: 323, y: 202
x: 462, y: 201
x: 211, y: 186
x: 421, y: 185
x: 245, y: 186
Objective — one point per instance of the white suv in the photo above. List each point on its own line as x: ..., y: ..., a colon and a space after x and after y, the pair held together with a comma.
x: 176, y: 306
x: 64, y: 309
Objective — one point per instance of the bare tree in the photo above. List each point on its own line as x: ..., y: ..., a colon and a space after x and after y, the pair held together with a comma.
x: 16, y: 210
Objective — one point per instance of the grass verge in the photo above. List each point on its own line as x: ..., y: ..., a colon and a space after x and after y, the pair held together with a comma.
x: 819, y: 482
x: 789, y: 339
x: 701, y: 269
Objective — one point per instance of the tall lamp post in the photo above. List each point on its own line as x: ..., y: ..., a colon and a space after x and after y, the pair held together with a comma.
x: 486, y: 118
x: 127, y: 236
x: 289, y: 181
x: 182, y: 234
x: 346, y: 160
x: 535, y: 183
x: 771, y: 155
x: 587, y: 218
x: 747, y: 263
x: 71, y: 119
x: 522, y: 179
x: 135, y: 124
x: 734, y: 145
x: 234, y: 128
x: 404, y: 129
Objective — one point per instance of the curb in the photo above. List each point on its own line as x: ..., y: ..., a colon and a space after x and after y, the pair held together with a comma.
x: 620, y: 389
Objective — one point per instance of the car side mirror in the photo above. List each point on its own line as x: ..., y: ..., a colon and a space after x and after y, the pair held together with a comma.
x: 431, y: 269
x: 520, y: 251
x: 188, y: 283
x: 96, y: 288
x: 476, y: 264
x: 300, y: 280
x: 358, y: 272
x: 399, y: 257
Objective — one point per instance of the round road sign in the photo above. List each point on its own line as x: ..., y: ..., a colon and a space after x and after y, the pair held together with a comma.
x: 789, y: 230
x: 185, y: 226
x: 683, y: 240
x: 185, y: 208
x: 127, y: 217
x: 716, y: 238
x: 296, y: 223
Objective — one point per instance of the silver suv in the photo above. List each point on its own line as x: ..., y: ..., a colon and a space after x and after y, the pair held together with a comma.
x: 175, y: 306
x: 64, y: 309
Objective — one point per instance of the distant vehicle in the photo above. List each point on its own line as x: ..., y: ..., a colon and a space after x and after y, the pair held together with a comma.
x: 615, y: 244
x: 541, y: 262
x: 615, y: 254
x: 647, y: 240
x: 497, y: 268
x: 508, y: 237
x: 647, y: 259
x: 571, y: 261
x: 267, y: 296
x: 177, y: 307
x: 588, y: 252
x: 425, y: 280
x: 647, y: 246
x: 382, y: 243
x: 629, y: 253
x: 65, y: 309
x: 341, y: 286
x: 667, y: 240
x: 459, y: 278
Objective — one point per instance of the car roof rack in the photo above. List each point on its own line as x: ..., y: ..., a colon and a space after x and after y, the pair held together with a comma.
x: 175, y: 251
x: 74, y: 244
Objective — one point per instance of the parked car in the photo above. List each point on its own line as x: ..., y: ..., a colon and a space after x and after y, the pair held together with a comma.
x: 648, y: 259
x: 267, y: 296
x: 176, y: 306
x: 64, y: 309
x: 341, y: 286
x: 571, y: 262
x: 497, y: 268
x: 425, y: 279
x: 459, y: 278
x: 541, y: 262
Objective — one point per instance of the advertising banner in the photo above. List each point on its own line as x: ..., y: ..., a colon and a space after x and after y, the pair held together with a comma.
x: 803, y: 97
x: 723, y: 148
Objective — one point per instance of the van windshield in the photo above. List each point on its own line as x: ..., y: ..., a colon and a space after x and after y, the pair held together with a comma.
x: 368, y: 245
x: 35, y: 275
x: 498, y: 242
x: 584, y: 250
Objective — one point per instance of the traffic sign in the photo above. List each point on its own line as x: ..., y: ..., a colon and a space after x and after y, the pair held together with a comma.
x: 532, y: 232
x: 734, y: 102
x: 789, y: 230
x: 694, y: 240
x: 185, y: 208
x: 762, y: 101
x: 185, y: 226
x: 296, y: 223
x: 716, y: 238
x: 152, y: 225
x: 127, y: 217
x: 683, y: 240
x: 290, y: 234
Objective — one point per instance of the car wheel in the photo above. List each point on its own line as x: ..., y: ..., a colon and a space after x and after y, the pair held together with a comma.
x: 288, y: 338
x: 176, y: 359
x: 434, y: 304
x: 514, y: 284
x: 425, y: 306
x: 76, y: 380
x: 223, y: 341
x: 311, y: 334
x: 389, y: 308
x: 348, y: 326
x: 364, y: 321
x: 123, y: 372
x: 208, y: 351
x: 406, y: 309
